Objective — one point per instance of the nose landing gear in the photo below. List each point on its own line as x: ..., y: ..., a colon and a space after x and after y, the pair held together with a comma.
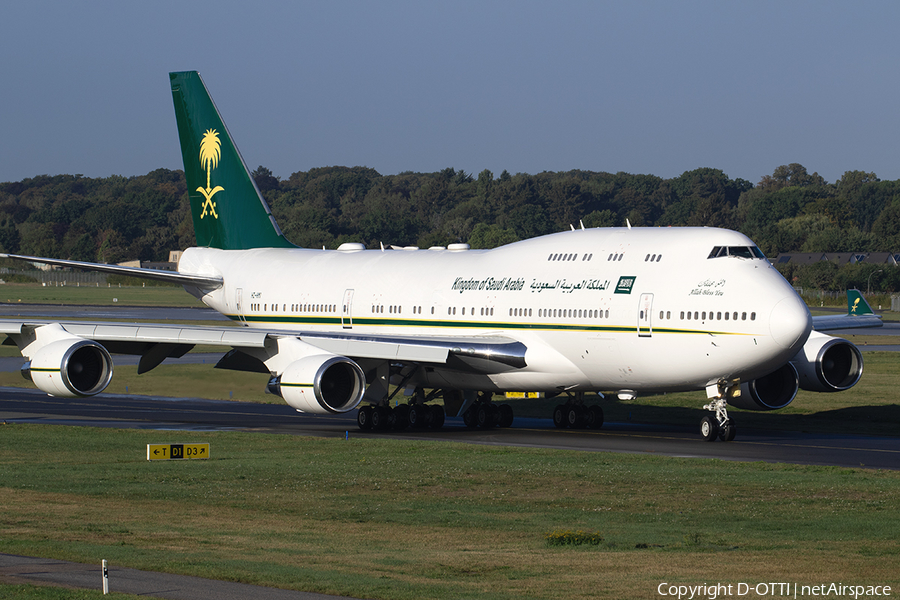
x: 719, y: 425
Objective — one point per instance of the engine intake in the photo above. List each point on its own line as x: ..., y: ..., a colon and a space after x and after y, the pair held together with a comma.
x: 321, y: 384
x: 70, y: 369
x: 828, y: 364
x: 771, y: 392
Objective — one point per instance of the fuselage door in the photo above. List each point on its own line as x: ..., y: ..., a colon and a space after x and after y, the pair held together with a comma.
x: 346, y: 312
x: 239, y: 304
x: 645, y: 307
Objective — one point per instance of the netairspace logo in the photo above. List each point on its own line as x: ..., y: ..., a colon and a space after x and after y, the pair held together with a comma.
x: 771, y: 590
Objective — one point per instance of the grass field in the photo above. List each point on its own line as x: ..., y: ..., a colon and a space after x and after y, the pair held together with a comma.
x: 397, y: 519
x: 31, y: 592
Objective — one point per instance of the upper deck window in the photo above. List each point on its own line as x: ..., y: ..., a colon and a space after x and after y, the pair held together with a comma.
x: 738, y: 251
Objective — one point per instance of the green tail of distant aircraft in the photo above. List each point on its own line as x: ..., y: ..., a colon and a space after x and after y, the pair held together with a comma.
x: 857, y: 305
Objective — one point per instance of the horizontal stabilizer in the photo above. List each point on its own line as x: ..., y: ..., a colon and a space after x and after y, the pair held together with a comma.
x: 201, y: 281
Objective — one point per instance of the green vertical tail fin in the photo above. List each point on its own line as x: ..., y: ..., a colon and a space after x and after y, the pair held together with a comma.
x: 228, y: 210
x: 857, y: 305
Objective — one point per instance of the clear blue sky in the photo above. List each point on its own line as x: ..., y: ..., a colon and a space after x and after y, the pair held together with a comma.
x: 655, y: 87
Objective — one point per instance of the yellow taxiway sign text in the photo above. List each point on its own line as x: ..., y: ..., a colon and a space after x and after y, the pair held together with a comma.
x: 176, y: 451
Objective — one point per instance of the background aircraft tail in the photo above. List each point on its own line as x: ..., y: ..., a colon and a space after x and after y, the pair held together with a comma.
x: 228, y: 210
x: 857, y: 305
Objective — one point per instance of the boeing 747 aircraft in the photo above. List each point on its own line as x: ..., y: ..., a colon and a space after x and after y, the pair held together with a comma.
x: 625, y: 311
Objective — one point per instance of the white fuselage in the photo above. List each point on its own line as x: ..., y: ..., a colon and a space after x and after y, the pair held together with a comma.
x: 641, y: 309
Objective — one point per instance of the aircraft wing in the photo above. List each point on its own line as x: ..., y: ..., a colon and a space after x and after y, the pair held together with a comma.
x: 836, y: 323
x: 156, y: 342
x: 859, y: 315
x: 201, y: 281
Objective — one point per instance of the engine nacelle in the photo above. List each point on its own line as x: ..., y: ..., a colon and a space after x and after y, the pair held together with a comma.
x: 828, y: 364
x: 321, y: 384
x: 771, y: 392
x: 70, y: 368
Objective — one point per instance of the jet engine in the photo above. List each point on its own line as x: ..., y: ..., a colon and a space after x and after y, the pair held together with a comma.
x: 320, y: 384
x: 824, y: 364
x: 828, y: 364
x: 771, y: 392
x: 71, y: 367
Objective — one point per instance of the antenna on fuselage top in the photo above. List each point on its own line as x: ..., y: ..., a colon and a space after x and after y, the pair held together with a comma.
x: 627, y: 222
x: 580, y: 222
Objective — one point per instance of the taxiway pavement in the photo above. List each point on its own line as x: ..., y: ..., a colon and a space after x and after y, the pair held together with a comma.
x: 143, y: 412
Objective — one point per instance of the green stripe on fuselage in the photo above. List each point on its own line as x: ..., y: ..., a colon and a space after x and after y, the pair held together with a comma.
x: 275, y: 321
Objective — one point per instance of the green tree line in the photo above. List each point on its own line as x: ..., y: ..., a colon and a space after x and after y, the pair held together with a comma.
x: 117, y: 218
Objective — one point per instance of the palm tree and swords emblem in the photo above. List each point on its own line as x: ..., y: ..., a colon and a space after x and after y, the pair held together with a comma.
x: 209, y: 159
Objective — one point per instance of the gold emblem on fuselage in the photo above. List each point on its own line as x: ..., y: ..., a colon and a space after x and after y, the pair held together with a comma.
x: 209, y: 159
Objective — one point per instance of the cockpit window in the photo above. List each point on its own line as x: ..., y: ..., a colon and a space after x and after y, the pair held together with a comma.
x: 738, y: 251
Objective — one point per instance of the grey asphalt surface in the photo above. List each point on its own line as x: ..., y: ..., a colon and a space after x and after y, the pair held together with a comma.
x: 45, y: 571
x: 19, y: 405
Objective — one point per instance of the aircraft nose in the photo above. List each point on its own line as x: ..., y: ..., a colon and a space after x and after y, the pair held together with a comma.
x: 790, y: 322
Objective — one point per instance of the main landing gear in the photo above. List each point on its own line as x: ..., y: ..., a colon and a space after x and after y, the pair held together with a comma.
x: 417, y: 414
x: 381, y: 417
x: 719, y: 424
x: 484, y: 414
x: 575, y: 415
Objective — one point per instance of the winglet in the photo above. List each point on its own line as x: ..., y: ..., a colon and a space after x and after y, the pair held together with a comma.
x: 857, y: 305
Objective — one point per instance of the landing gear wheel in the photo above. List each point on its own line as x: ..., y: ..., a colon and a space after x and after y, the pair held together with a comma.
x: 575, y: 417
x: 364, y: 418
x: 506, y: 415
x: 559, y: 416
x: 727, y: 431
x: 437, y: 416
x: 379, y: 418
x: 416, y: 415
x: 401, y: 417
x: 595, y: 418
x: 469, y: 417
x: 709, y: 428
x: 483, y: 416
